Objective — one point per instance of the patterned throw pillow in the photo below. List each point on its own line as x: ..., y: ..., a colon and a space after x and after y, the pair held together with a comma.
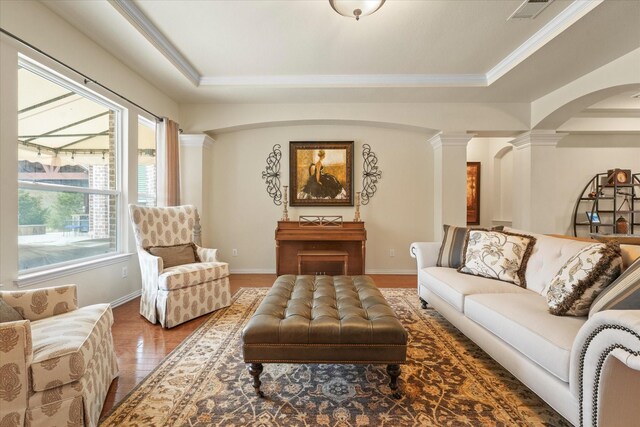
x: 497, y: 255
x: 452, y: 248
x: 8, y: 313
x: 623, y: 294
x: 582, y: 278
x: 175, y: 255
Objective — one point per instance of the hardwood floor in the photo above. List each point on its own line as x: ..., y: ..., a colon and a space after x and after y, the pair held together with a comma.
x: 141, y: 346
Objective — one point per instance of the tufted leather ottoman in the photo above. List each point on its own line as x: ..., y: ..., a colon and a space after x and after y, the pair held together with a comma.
x: 324, y: 319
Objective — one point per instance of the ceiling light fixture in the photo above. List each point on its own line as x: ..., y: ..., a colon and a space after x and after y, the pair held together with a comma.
x: 356, y: 8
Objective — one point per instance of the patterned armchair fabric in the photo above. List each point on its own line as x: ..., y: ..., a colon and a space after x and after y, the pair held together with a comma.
x: 56, y: 369
x: 177, y: 294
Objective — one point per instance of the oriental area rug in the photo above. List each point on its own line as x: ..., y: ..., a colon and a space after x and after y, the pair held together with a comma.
x: 448, y: 381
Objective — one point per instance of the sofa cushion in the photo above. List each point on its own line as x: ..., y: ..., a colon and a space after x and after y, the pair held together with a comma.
x: 452, y: 286
x: 64, y: 344
x: 176, y: 254
x: 548, y: 256
x: 497, y: 255
x: 523, y: 321
x: 623, y: 294
x: 184, y: 276
x: 582, y: 279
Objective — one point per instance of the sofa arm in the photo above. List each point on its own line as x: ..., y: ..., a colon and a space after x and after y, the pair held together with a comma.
x: 38, y: 304
x: 605, y: 368
x: 15, y: 358
x: 425, y: 253
x: 207, y: 255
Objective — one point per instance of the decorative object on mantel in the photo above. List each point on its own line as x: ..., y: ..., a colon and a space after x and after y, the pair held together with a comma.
x: 321, y: 173
x: 285, y: 212
x: 320, y: 221
x: 371, y: 174
x: 473, y: 193
x: 356, y: 8
x: 271, y: 175
x: 356, y: 218
x: 613, y: 198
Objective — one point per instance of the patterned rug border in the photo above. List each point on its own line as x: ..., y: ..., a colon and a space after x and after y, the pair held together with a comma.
x: 211, y: 316
x: 502, y: 402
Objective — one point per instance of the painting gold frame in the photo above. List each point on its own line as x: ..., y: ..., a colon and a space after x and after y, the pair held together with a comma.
x: 321, y: 173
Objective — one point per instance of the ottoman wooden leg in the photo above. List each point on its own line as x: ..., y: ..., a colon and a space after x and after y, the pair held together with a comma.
x: 255, y: 369
x: 394, y: 373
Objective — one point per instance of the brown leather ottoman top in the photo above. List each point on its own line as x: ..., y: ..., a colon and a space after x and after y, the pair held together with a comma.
x: 324, y: 319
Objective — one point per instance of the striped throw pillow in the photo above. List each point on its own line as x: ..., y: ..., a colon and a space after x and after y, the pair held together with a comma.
x: 622, y: 294
x: 452, y: 248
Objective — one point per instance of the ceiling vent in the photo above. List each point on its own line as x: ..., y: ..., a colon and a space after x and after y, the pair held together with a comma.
x: 530, y: 9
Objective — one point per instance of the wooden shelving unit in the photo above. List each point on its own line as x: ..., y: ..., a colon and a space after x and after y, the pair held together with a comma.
x: 608, y: 201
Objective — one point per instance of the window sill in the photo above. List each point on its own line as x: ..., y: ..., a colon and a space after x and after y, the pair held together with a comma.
x: 67, y: 270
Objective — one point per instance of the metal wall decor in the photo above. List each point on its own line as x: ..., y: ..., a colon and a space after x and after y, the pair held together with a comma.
x: 271, y: 175
x: 371, y: 174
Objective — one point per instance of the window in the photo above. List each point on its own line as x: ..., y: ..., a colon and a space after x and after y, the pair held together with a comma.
x: 68, y: 171
x: 147, y: 183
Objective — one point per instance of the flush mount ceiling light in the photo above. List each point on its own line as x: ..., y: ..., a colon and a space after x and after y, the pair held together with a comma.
x: 356, y: 8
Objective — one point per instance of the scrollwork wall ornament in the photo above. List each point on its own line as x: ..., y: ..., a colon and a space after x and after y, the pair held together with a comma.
x: 371, y: 174
x: 271, y: 175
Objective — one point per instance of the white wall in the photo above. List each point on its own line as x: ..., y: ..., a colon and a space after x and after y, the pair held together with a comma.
x: 243, y: 217
x: 39, y: 26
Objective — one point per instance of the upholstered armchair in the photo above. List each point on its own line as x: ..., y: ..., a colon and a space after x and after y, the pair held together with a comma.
x: 174, y: 294
x: 57, y: 364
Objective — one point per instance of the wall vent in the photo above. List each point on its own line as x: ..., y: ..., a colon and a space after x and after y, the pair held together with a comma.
x: 530, y: 9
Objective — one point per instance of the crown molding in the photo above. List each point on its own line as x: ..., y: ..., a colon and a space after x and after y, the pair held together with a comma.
x: 351, y: 80
x: 196, y: 140
x: 138, y: 19
x: 458, y: 139
x: 575, y: 11
x: 537, y: 138
x: 544, y: 35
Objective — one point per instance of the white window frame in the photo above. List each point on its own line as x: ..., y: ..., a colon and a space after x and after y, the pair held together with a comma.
x: 152, y: 123
x: 38, y: 274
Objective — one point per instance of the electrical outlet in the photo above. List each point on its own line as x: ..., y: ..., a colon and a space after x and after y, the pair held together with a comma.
x: 392, y: 252
x: 234, y: 252
x: 125, y: 272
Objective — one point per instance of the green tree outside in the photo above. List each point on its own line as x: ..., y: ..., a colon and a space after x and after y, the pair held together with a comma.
x: 30, y: 210
x: 65, y: 206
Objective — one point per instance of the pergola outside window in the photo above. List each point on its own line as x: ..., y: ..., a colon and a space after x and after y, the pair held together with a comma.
x: 68, y: 170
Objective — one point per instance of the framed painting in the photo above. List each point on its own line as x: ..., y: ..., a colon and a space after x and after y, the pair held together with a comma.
x: 321, y: 173
x: 473, y: 193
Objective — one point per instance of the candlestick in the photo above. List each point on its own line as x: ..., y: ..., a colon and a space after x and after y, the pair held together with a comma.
x: 285, y: 212
x: 357, y: 216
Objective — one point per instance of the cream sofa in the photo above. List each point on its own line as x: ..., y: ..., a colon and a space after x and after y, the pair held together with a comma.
x: 56, y: 366
x: 586, y: 369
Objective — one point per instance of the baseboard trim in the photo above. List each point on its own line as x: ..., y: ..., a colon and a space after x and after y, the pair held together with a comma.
x: 369, y: 271
x: 252, y: 271
x: 126, y: 298
x: 392, y: 271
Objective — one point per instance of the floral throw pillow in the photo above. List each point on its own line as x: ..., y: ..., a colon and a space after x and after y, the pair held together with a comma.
x: 583, y: 277
x: 497, y: 255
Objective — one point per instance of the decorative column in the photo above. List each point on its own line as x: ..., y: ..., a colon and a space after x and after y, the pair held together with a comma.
x: 195, y: 171
x: 449, y: 180
x: 534, y: 186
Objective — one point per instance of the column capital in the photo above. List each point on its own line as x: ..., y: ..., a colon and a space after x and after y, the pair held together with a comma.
x: 537, y: 138
x: 450, y: 139
x: 197, y: 140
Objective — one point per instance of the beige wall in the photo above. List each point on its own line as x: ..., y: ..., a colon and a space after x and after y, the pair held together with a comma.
x: 578, y: 159
x: 243, y: 217
x: 27, y: 20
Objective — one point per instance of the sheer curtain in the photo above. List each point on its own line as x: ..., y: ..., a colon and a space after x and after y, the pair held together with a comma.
x: 168, y: 144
